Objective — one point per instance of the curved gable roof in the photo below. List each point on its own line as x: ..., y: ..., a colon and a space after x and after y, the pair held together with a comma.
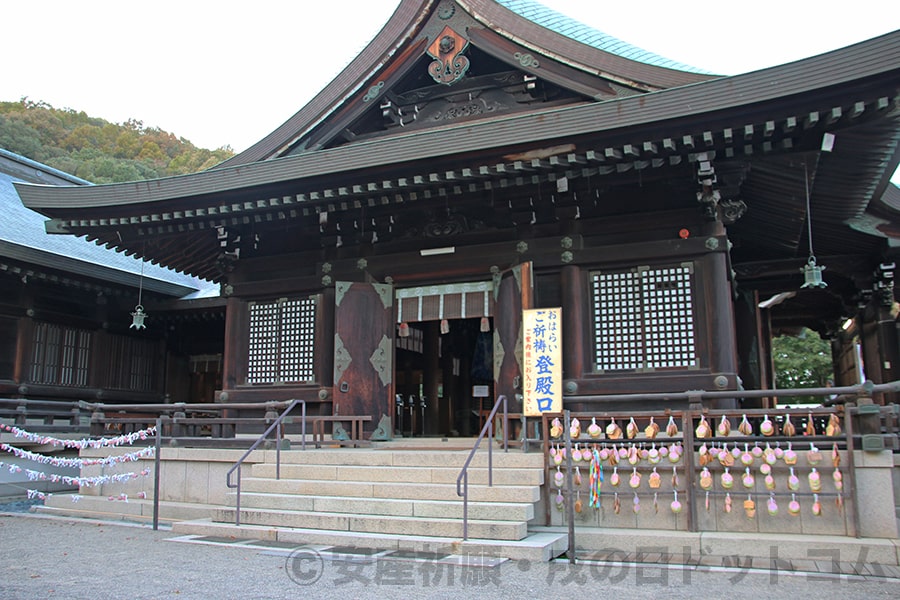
x: 578, y: 31
x: 525, y: 22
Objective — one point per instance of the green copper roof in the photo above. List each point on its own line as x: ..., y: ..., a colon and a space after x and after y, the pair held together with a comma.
x: 563, y: 25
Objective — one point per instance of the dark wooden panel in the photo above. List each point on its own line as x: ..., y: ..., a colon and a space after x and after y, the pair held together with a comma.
x: 515, y: 293
x: 363, y: 363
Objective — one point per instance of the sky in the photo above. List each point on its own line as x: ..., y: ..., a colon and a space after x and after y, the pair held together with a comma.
x: 227, y: 74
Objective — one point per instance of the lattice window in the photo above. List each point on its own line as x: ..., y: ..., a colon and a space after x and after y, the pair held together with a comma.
x: 282, y: 341
x: 644, y: 319
x: 60, y: 355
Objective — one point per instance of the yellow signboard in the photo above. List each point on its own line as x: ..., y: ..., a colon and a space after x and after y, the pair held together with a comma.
x: 542, y: 377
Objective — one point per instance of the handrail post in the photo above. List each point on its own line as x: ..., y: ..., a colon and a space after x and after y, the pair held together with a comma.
x: 237, y: 501
x: 462, y: 481
x: 278, y: 450
x: 490, y: 453
x: 276, y: 425
x: 570, y: 507
x: 156, y: 464
x: 466, y: 505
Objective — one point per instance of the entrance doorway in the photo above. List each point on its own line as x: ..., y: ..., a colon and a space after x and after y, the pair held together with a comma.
x: 438, y: 364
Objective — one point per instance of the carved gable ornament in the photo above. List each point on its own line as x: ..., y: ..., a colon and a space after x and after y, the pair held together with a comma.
x: 449, y: 65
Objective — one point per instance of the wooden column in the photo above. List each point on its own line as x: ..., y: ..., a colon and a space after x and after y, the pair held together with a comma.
x: 750, y: 349
x: 720, y: 317
x: 576, y: 322
x: 25, y: 334
x: 431, y: 377
x: 235, y: 352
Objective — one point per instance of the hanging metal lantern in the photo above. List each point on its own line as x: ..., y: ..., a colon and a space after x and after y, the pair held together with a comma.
x: 137, y: 318
x: 812, y: 274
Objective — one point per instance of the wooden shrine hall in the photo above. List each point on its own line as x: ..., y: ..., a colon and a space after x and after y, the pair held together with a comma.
x: 481, y: 157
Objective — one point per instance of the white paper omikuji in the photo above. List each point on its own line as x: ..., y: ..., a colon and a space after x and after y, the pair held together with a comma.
x: 77, y: 463
x: 130, y: 438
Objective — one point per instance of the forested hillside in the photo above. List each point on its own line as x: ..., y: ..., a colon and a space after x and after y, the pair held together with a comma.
x: 95, y: 149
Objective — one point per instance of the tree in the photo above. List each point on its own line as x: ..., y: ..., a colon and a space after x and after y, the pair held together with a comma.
x: 97, y: 150
x: 802, y: 361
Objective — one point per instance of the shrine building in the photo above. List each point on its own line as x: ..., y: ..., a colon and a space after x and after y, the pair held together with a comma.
x: 478, y: 158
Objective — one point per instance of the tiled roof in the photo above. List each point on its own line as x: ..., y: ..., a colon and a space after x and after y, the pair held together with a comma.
x: 563, y: 25
x: 22, y: 233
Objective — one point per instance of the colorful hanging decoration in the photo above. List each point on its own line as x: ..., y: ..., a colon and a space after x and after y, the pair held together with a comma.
x: 595, y: 479
x: 77, y: 463
x: 703, y: 429
x: 79, y: 481
x: 655, y: 480
x: 767, y: 428
x: 815, y: 481
x: 793, y: 481
x: 788, y: 429
x: 651, y: 430
x: 631, y: 430
x: 750, y: 507
x: 575, y: 429
x: 671, y: 427
x: 555, y: 428
x: 794, y: 506
x: 724, y: 427
x: 121, y: 440
x: 613, y: 431
x: 833, y: 427
x: 772, y: 506
x: 814, y: 456
x: 745, y: 428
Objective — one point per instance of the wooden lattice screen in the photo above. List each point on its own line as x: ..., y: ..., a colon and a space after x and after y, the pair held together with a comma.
x: 644, y: 319
x: 282, y: 341
x: 60, y: 355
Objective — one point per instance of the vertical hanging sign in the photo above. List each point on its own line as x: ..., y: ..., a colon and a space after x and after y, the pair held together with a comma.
x: 542, y: 341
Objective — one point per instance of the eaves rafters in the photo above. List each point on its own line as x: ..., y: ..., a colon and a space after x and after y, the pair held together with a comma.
x: 542, y: 164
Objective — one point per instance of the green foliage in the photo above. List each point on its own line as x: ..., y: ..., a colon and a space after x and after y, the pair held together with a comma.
x: 96, y: 150
x: 801, y: 361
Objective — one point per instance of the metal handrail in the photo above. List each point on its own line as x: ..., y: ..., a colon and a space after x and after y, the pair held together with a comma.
x: 464, y: 472
x: 275, y: 425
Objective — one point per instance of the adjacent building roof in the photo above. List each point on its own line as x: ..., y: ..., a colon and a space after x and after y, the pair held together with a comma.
x: 23, y: 238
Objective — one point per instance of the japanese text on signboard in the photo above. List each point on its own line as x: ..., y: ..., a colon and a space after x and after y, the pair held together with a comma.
x: 542, y: 341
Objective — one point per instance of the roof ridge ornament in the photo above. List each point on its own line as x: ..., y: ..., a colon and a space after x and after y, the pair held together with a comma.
x: 449, y: 65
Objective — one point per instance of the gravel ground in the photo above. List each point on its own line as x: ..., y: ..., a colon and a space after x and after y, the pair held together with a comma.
x: 52, y: 557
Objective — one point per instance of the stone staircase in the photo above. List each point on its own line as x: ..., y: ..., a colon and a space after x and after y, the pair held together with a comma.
x: 389, y: 498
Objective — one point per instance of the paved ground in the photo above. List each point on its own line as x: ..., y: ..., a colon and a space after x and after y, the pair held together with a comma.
x: 51, y: 557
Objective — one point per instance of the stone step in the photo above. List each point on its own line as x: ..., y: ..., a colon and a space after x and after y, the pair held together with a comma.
x: 417, y: 508
x: 413, y: 474
x: 535, y: 547
x: 376, y: 524
x: 407, y: 458
x: 136, y: 509
x: 383, y: 489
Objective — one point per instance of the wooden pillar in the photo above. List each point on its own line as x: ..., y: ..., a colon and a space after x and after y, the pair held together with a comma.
x: 720, y: 318
x: 881, y: 349
x: 236, y: 331
x: 750, y: 346
x: 431, y: 377
x: 24, y: 337
x: 577, y: 322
